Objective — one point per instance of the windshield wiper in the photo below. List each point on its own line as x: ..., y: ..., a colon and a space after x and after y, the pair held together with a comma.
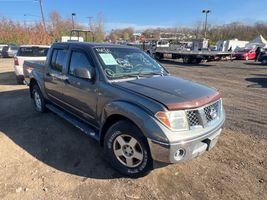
x: 151, y: 73
x: 138, y: 75
x: 126, y: 76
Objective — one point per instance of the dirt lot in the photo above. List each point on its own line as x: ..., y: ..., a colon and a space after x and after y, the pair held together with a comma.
x: 44, y: 157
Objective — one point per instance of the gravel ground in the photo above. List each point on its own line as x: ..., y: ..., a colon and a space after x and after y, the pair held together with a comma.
x: 44, y: 157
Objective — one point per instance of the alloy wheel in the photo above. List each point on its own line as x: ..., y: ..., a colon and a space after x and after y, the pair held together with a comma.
x: 128, y: 150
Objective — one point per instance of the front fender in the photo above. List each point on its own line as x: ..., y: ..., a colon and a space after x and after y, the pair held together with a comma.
x: 142, y: 118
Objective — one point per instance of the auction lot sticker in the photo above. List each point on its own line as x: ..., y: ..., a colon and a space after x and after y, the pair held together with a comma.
x: 108, y: 59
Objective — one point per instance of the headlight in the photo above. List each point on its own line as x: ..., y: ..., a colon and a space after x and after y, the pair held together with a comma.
x: 176, y: 120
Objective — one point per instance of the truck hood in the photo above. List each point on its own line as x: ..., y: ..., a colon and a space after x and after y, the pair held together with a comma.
x: 174, y: 93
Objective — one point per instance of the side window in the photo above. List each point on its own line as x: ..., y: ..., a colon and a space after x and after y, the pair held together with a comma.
x: 79, y: 60
x: 53, y: 60
x: 59, y: 58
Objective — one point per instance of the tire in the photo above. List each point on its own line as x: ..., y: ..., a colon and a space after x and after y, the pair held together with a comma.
x: 38, y: 99
x: 187, y: 60
x: 159, y: 56
x: 19, y: 80
x: 264, y: 62
x: 127, y: 150
x: 198, y: 60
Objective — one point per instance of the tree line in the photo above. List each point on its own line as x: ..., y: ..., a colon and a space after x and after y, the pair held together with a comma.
x: 214, y: 33
x: 12, y: 32
x: 56, y: 26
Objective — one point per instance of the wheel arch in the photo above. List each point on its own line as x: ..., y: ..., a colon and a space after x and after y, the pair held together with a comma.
x: 141, y: 118
x: 33, y: 82
x: 112, y: 119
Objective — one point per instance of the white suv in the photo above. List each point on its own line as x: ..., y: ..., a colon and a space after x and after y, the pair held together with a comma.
x: 28, y: 52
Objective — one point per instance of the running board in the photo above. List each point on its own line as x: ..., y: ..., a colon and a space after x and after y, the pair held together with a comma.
x: 74, y: 121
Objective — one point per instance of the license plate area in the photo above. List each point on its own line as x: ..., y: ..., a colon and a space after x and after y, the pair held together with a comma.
x: 212, y: 140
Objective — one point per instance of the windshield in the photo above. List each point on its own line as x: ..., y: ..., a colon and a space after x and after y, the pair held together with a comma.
x: 118, y: 62
x: 33, y: 51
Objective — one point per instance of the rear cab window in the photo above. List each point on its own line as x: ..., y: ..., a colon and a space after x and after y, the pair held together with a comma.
x: 32, y: 51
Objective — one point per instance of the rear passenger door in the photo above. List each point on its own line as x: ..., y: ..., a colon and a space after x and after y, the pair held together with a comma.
x: 54, y: 75
x: 80, y: 95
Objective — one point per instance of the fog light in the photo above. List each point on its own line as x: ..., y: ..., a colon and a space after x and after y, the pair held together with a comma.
x: 179, y: 154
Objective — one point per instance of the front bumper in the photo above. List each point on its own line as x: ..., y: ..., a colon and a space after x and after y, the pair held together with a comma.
x: 185, y: 149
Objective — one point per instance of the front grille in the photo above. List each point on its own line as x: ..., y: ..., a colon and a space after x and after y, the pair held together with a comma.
x: 192, y: 116
x: 211, y: 111
x: 202, y: 116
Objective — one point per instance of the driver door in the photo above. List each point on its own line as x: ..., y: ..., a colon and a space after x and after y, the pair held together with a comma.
x: 80, y: 95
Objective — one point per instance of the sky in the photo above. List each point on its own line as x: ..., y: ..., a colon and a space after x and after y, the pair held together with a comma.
x: 141, y: 14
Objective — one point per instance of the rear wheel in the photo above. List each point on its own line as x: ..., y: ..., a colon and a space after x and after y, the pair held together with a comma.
x: 127, y: 149
x: 264, y: 62
x: 198, y: 60
x: 38, y: 99
x: 187, y: 60
x: 159, y: 56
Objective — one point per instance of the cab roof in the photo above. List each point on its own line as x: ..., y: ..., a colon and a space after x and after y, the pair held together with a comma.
x: 93, y: 44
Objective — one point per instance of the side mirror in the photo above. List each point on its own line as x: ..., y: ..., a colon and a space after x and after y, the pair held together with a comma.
x: 83, y: 73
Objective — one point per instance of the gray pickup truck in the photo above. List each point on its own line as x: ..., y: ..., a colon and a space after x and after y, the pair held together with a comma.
x: 128, y: 102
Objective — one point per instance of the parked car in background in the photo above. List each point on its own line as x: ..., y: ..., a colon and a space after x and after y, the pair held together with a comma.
x: 245, y: 54
x: 1, y: 49
x: 9, y: 51
x: 28, y: 52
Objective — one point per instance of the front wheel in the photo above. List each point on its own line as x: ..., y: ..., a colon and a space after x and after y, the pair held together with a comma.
x: 38, y: 99
x: 127, y: 150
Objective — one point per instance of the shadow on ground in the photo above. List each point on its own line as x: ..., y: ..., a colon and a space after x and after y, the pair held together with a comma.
x: 255, y: 64
x: 8, y: 78
x: 252, y: 63
x: 258, y: 82
x: 50, y: 139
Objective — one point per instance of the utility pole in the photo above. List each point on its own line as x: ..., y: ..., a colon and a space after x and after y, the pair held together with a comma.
x: 42, y: 13
x: 206, y: 20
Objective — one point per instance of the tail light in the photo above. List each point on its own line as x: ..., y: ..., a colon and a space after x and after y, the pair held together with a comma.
x: 16, y: 61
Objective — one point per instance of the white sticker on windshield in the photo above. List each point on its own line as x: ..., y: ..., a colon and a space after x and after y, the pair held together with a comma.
x: 108, y: 59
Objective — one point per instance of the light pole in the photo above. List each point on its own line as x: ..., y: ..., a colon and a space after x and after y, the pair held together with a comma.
x: 90, y: 18
x: 91, y: 27
x: 72, y: 16
x: 42, y: 13
x: 206, y: 20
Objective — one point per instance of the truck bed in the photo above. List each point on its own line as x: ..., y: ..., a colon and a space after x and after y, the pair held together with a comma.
x: 203, y: 53
x: 28, y: 66
x: 193, y: 56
